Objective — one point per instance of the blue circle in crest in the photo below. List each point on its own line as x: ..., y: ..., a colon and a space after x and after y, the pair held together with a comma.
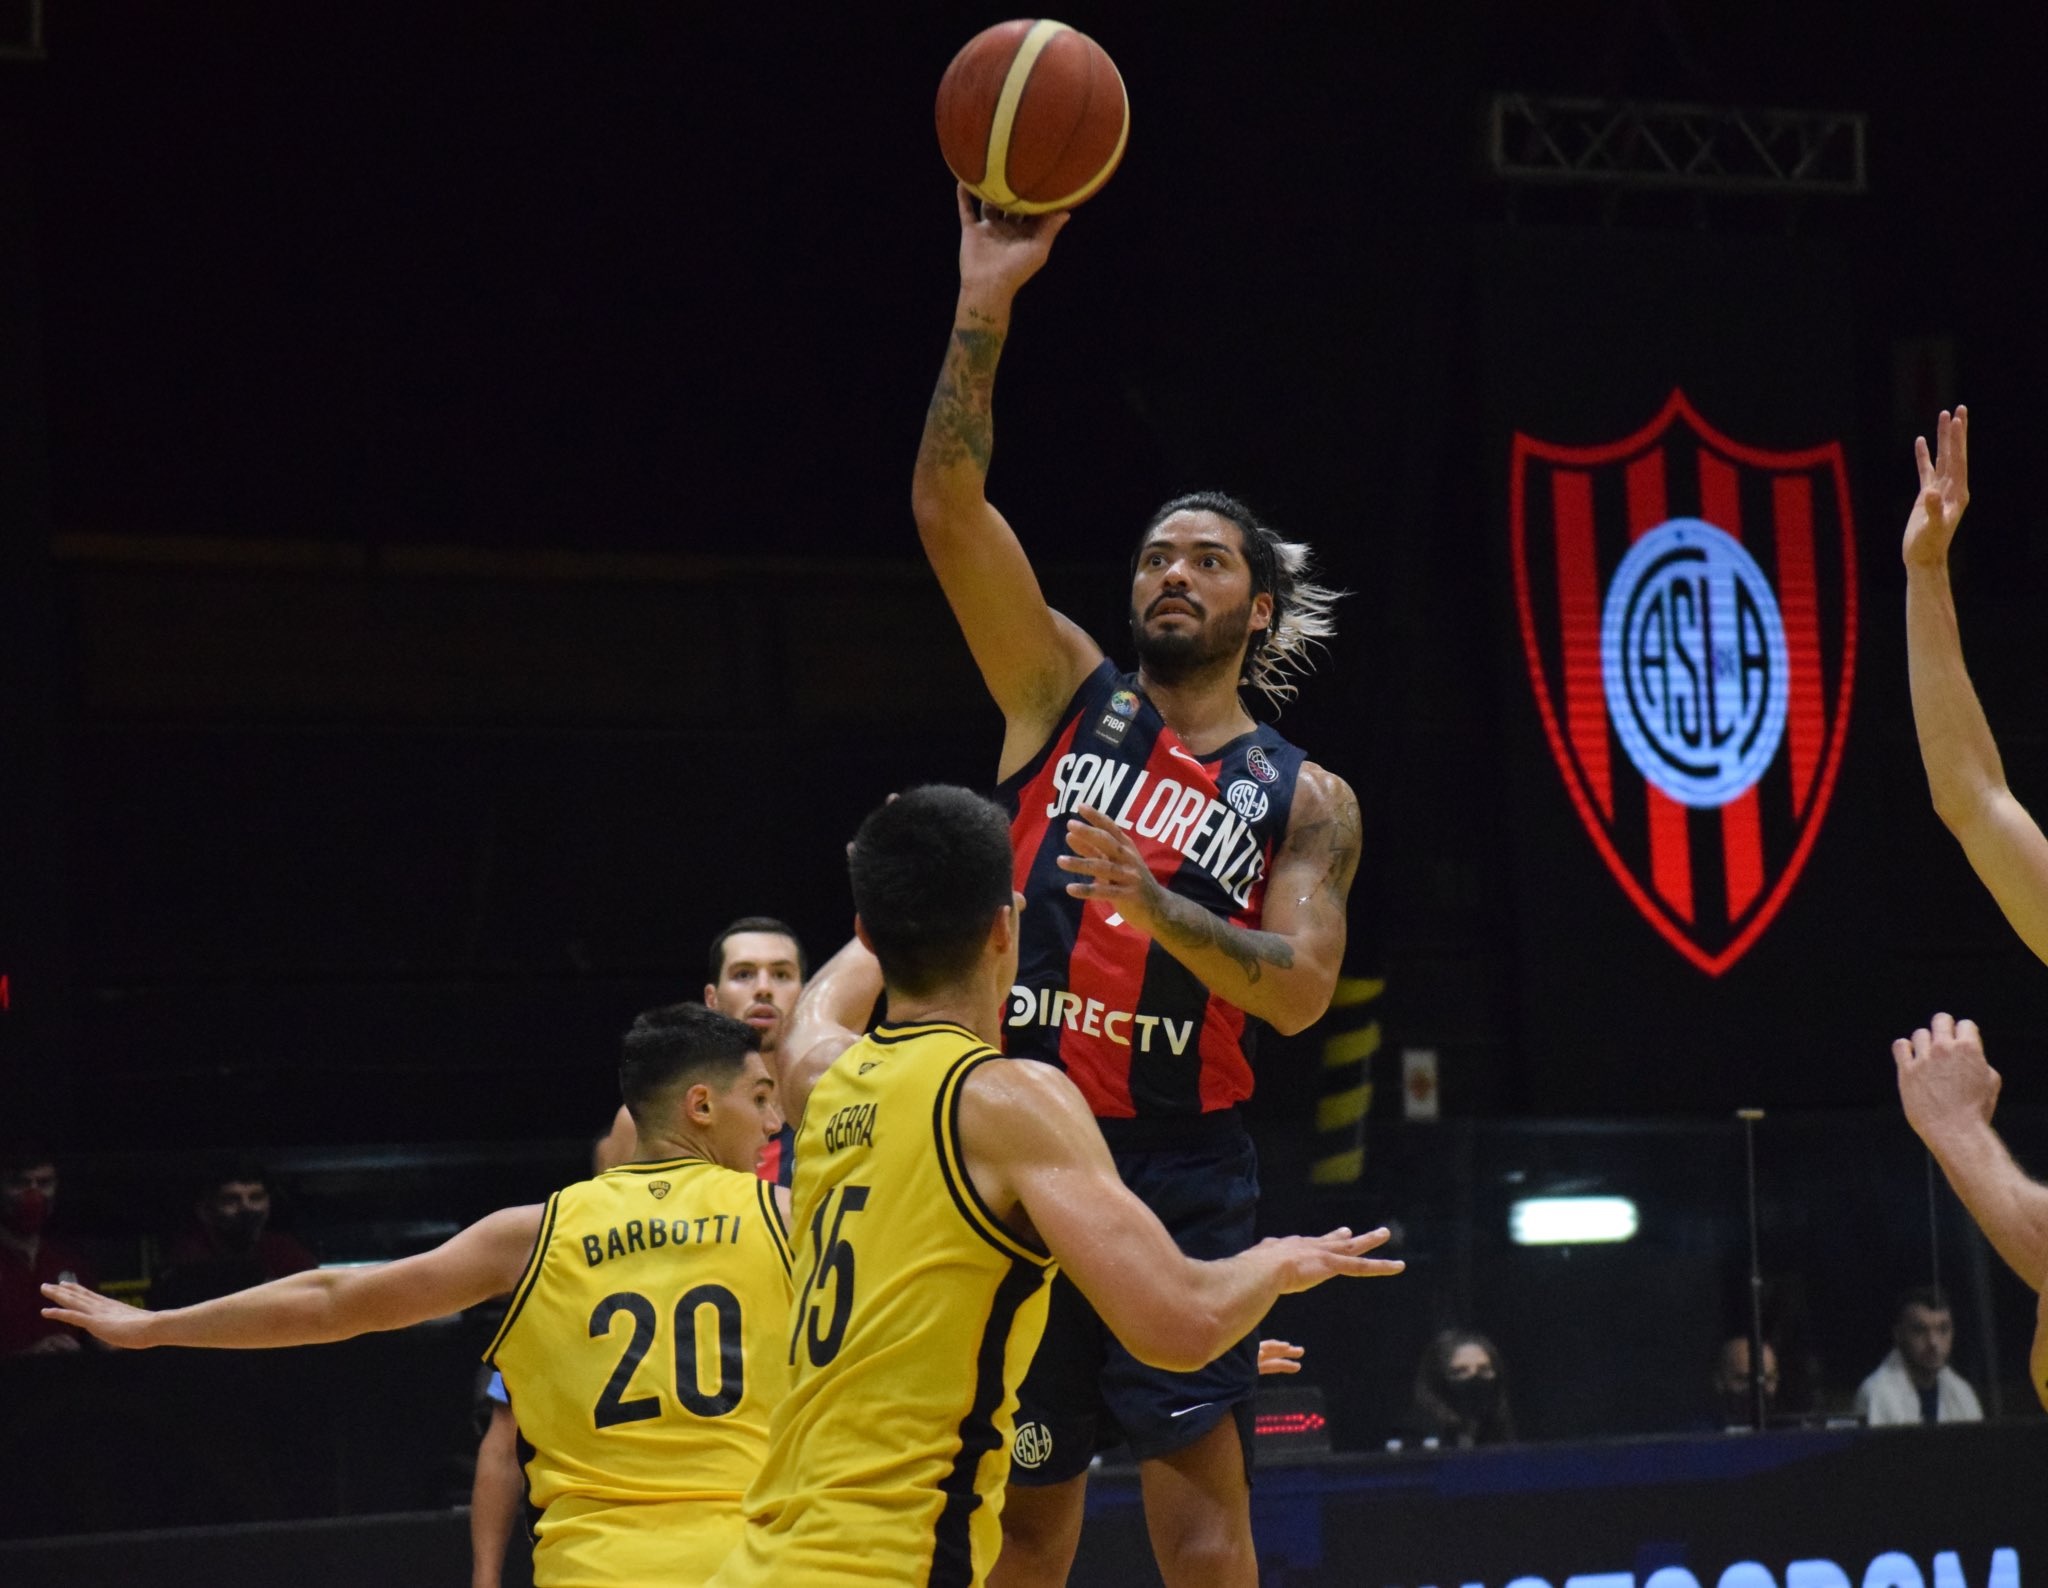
x: 1692, y: 654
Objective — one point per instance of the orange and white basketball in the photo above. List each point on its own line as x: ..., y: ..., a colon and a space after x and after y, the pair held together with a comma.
x: 1032, y: 116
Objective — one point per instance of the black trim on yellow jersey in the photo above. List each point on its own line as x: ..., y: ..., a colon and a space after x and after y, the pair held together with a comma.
x: 659, y: 1165
x: 771, y: 1212
x: 886, y: 1034
x: 952, y: 1543
x: 524, y: 1288
x: 953, y: 1163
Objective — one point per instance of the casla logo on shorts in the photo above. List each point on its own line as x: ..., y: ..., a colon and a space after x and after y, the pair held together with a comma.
x: 1033, y: 1445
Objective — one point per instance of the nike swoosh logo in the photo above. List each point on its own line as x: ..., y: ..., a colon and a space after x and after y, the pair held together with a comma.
x: 1194, y: 1408
x: 1176, y: 750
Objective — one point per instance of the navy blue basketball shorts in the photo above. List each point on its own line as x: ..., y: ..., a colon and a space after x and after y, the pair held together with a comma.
x: 1084, y: 1392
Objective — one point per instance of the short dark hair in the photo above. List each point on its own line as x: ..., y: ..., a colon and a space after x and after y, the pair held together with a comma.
x: 930, y: 870
x: 1932, y: 1297
x: 680, y: 1045
x: 226, y: 1171
x: 755, y: 923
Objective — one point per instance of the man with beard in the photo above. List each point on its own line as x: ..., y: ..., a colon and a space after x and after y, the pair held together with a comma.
x: 1186, y: 871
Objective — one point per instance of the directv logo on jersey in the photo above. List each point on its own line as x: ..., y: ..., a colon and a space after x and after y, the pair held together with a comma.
x: 1049, y: 1006
x: 1190, y: 821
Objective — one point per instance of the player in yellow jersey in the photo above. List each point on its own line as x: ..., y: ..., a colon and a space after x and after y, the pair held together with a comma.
x: 938, y: 1187
x: 647, y: 1338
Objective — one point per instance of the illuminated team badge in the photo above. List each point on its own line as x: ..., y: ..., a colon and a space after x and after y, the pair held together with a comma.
x: 1692, y: 656
x: 1688, y: 615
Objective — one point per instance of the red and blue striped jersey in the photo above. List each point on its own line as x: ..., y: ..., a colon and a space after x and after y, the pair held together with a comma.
x: 1136, y: 1030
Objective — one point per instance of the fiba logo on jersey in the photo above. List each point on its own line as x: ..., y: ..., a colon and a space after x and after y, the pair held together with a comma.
x: 657, y: 1189
x: 1033, y: 1445
x: 1260, y: 767
x: 1124, y: 704
x: 1692, y: 652
x: 1247, y: 799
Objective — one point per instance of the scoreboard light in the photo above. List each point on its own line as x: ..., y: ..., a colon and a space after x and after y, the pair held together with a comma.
x: 1571, y: 1221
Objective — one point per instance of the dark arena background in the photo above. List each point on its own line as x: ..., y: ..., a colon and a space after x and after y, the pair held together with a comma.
x: 455, y: 555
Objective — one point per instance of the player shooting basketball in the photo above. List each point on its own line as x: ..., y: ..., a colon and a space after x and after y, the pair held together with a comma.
x: 1948, y: 1088
x: 1186, y: 870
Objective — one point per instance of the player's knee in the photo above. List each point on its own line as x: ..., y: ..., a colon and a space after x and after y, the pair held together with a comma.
x: 1040, y: 1536
x: 1214, y: 1553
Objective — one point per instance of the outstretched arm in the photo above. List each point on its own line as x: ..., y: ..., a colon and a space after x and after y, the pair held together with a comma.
x: 1950, y: 1090
x: 1285, y: 973
x: 1034, y: 1150
x: 829, y: 1017
x: 323, y: 1304
x: 1964, y: 772
x: 1030, y: 656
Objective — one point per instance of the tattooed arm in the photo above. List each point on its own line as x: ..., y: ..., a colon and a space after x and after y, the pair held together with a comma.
x: 1031, y: 657
x: 1284, y: 974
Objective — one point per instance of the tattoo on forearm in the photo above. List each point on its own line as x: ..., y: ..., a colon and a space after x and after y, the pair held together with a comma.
x: 957, y: 426
x: 1187, y: 924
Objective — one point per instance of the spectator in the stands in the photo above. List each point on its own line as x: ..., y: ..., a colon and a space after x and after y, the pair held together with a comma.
x: 229, y: 1245
x: 30, y: 1258
x: 1461, y: 1392
x: 1915, y: 1384
x: 1734, y: 1396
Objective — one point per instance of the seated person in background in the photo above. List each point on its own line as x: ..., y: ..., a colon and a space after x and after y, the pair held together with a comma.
x: 29, y: 1258
x: 1915, y: 1384
x: 1461, y: 1392
x: 229, y: 1245
x: 1734, y: 1405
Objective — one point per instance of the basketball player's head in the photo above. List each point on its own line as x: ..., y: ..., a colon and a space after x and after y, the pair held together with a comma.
x: 688, y: 1073
x: 932, y: 895
x: 1216, y: 591
x: 757, y: 969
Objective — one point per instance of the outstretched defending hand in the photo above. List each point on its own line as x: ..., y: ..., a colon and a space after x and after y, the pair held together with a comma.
x: 1280, y: 1356
x: 999, y: 251
x: 1944, y: 1079
x: 103, y: 1317
x: 1944, y: 491
x: 1308, y: 1260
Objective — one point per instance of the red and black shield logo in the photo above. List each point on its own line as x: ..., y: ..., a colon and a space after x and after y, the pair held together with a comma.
x: 1688, y: 611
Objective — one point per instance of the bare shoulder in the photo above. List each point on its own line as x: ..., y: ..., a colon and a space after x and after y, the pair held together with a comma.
x: 1007, y: 1106
x: 1325, y: 813
x: 512, y: 1226
x: 802, y: 1075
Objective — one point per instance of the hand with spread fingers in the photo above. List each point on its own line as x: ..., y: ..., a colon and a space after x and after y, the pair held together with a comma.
x: 1944, y: 490
x: 1945, y: 1081
x: 1280, y: 1356
x: 1109, y: 868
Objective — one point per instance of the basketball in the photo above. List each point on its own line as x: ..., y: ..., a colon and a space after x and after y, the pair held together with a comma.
x: 1032, y: 116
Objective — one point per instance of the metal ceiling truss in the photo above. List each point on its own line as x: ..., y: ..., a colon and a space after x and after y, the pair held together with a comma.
x: 1698, y: 148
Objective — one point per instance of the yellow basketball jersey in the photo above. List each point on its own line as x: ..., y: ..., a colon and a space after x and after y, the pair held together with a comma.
x: 916, y: 1315
x: 643, y: 1351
